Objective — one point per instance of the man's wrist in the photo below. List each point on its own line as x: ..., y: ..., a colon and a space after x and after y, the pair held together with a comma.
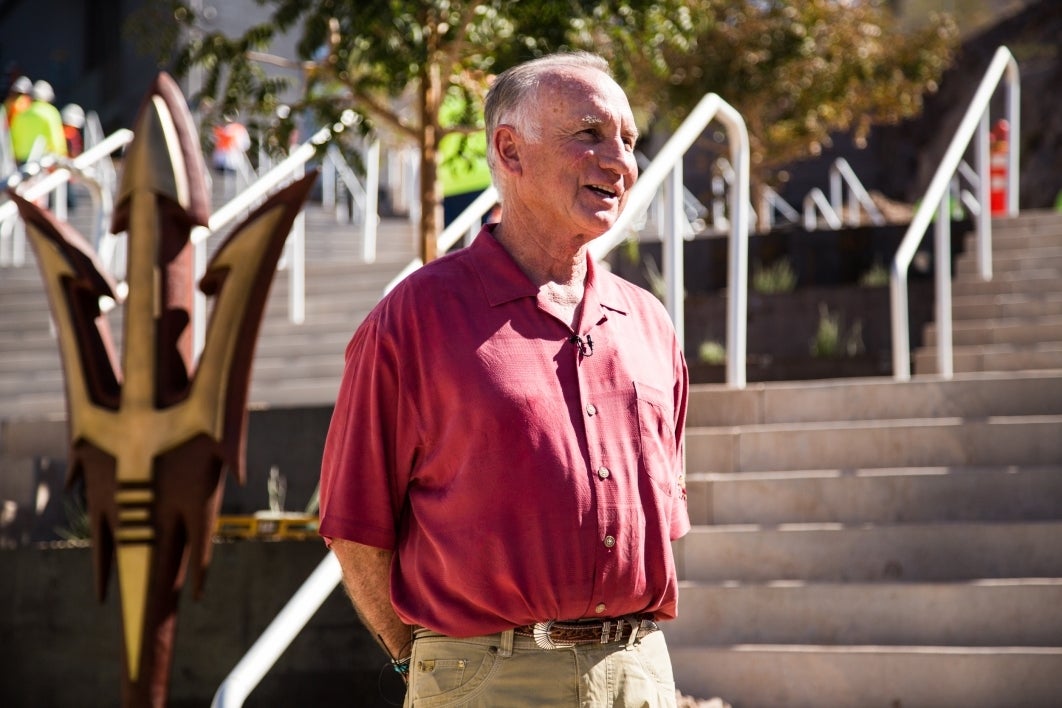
x: 401, y: 667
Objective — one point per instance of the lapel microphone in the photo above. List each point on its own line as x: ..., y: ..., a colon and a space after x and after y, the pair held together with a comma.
x: 586, y: 348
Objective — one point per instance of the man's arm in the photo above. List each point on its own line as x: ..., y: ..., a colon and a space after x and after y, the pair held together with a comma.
x: 366, y: 577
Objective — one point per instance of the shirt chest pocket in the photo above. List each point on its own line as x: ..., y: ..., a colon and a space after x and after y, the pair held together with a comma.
x: 656, y: 430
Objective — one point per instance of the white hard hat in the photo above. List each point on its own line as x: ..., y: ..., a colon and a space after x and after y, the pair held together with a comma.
x: 73, y: 114
x: 22, y: 85
x: 42, y: 91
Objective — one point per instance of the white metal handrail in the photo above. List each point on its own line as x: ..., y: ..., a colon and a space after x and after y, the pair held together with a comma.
x: 243, y: 678
x: 365, y: 198
x: 288, y: 169
x: 773, y: 202
x: 842, y: 175
x: 467, y: 223
x: 816, y: 201
x: 666, y: 171
x: 973, y: 125
x: 61, y: 175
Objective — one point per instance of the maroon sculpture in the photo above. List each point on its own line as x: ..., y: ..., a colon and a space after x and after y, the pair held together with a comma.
x: 153, y: 436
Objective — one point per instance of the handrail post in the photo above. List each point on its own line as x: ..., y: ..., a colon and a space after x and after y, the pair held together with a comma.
x: 983, y: 219
x: 328, y: 181
x: 942, y: 246
x: 1013, y: 89
x: 297, y: 262
x: 738, y: 267
x: 672, y: 244
x: 901, y: 338
x: 372, y: 195
x: 836, y: 189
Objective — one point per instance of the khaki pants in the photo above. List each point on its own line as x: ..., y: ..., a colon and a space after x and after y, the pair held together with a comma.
x: 509, y: 671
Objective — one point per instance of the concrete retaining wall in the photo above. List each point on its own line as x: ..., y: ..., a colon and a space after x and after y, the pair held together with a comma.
x: 59, y: 647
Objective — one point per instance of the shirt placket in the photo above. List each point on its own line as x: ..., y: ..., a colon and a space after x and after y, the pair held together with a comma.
x: 595, y: 425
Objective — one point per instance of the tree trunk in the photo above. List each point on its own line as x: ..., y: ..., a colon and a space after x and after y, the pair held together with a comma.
x: 431, y: 216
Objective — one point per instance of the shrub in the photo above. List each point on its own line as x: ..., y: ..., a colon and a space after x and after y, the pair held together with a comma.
x: 778, y: 277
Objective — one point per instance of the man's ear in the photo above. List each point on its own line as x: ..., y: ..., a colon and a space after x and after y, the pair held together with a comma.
x: 506, y: 150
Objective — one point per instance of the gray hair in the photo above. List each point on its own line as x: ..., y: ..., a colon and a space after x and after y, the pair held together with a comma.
x: 512, y: 95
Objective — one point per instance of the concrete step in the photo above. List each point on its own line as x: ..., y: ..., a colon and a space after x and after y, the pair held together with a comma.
x: 1007, y: 240
x: 992, y: 357
x: 44, y: 379
x: 836, y: 552
x: 972, y: 307
x: 286, y: 393
x: 926, y: 442
x: 972, y: 395
x: 804, y: 676
x: 878, y: 496
x: 1017, y: 261
x: 1030, y: 220
x: 1010, y: 330
x: 1005, y: 612
x: 1033, y: 281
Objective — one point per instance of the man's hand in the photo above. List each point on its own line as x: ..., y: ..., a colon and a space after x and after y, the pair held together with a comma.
x: 366, y: 577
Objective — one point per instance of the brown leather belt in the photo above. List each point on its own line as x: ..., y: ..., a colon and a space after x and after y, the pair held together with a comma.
x: 556, y: 634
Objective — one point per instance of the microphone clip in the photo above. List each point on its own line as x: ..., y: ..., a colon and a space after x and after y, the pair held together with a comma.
x: 585, y: 346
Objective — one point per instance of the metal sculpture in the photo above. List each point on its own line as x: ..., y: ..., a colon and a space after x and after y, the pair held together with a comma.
x: 153, y: 436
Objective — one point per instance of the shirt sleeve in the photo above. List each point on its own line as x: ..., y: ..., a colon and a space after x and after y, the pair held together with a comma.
x: 363, y: 473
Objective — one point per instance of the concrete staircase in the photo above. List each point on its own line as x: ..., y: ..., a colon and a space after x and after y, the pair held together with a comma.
x: 1014, y: 321
x: 872, y: 543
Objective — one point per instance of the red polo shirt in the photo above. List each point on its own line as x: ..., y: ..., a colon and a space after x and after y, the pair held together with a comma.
x: 516, y: 479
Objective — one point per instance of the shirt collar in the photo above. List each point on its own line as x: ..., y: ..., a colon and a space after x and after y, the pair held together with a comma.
x: 503, y: 281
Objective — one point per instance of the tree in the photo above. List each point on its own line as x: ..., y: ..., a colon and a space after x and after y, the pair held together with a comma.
x: 395, y: 61
x: 799, y: 70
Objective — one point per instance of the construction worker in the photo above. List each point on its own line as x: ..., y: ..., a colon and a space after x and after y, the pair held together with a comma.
x: 41, y: 120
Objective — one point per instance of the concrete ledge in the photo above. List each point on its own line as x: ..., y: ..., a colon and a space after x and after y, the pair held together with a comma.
x: 59, y: 647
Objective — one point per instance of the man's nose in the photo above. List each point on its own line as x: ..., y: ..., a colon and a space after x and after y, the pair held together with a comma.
x: 617, y: 157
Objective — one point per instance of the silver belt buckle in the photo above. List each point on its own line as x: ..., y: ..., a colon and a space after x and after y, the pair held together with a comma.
x: 540, y: 633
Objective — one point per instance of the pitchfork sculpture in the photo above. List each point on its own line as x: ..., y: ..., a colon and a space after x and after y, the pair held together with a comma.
x: 153, y: 436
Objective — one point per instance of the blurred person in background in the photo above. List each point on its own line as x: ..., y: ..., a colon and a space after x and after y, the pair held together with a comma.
x: 41, y: 120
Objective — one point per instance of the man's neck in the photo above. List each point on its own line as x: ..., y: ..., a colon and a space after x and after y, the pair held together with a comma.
x: 544, y: 259
x: 558, y: 273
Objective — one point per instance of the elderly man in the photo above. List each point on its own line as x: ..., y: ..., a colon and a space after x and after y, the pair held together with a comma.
x: 503, y: 474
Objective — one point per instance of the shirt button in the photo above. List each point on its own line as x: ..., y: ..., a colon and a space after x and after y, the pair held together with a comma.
x: 603, y: 472
x: 591, y: 409
x: 610, y: 541
x: 600, y: 608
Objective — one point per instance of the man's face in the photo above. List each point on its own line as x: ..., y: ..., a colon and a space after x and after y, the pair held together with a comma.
x: 577, y: 173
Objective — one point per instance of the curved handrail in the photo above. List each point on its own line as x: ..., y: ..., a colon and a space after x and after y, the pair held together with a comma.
x: 1003, y: 66
x: 667, y: 167
x: 841, y: 175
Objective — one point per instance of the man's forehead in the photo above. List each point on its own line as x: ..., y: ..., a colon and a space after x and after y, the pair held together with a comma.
x: 600, y: 99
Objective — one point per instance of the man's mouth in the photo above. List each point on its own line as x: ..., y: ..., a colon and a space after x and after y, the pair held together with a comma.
x: 602, y: 190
